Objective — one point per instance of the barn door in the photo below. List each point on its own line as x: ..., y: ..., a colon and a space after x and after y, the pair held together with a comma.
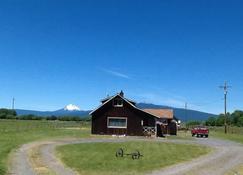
x: 159, y: 130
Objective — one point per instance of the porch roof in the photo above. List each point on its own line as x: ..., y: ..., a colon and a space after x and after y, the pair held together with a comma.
x: 160, y: 113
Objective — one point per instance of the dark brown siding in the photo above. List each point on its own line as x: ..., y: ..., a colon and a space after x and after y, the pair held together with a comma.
x: 134, y: 118
x: 172, y: 128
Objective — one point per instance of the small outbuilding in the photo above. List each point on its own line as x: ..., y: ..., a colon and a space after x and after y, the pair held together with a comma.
x: 118, y: 115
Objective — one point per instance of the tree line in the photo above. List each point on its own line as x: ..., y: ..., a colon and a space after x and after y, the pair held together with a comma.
x: 234, y: 119
x: 11, y: 114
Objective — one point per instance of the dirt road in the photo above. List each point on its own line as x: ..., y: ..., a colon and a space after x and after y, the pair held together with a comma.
x: 42, y: 160
x: 226, y: 156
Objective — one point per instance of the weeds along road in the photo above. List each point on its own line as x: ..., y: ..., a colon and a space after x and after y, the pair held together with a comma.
x: 39, y: 158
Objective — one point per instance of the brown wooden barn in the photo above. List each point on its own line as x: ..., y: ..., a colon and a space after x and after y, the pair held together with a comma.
x: 118, y: 115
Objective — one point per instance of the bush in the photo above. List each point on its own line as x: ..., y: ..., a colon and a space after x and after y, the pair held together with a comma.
x: 193, y: 123
x: 69, y: 118
x: 30, y: 117
x: 7, y: 114
x: 240, y: 121
x: 211, y: 121
x: 53, y: 117
x: 234, y: 119
x: 220, y: 120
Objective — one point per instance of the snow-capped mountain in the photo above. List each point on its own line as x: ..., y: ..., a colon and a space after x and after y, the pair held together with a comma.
x: 71, y: 107
x: 69, y: 110
x: 72, y: 110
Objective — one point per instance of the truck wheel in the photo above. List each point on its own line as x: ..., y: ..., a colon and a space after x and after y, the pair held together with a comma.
x: 197, y: 135
x: 192, y: 135
x: 206, y: 136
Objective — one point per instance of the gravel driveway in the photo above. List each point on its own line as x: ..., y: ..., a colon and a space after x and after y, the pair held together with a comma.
x: 226, y: 156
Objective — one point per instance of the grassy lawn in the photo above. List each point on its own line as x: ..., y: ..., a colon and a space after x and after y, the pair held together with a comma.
x: 183, y: 135
x: 15, y: 133
x: 232, y: 137
x: 100, y: 159
x: 234, y: 133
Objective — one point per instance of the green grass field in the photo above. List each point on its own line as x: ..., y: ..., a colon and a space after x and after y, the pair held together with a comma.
x: 234, y: 133
x: 15, y: 133
x: 182, y: 135
x: 100, y: 159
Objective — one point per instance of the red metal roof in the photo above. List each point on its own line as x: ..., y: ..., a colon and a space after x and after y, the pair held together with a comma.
x: 160, y: 113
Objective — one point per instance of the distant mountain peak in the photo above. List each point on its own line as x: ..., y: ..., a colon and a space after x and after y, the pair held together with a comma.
x: 71, y: 107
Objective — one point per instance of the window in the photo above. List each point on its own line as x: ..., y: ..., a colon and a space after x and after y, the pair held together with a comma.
x: 117, y: 122
x: 118, y: 102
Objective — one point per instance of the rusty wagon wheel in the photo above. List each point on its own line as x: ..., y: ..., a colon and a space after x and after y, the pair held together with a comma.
x: 119, y: 152
x: 136, y: 155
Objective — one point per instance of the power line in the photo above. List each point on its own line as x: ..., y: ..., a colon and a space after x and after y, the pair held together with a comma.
x: 225, y: 87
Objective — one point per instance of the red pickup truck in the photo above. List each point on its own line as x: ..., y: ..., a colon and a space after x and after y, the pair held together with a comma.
x: 200, y: 131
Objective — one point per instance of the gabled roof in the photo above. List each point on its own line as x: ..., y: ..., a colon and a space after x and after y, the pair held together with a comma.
x: 105, y: 99
x: 160, y: 113
x: 108, y: 100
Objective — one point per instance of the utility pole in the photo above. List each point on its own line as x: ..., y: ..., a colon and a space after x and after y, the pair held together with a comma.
x: 13, y: 101
x: 225, y: 88
x: 186, y: 113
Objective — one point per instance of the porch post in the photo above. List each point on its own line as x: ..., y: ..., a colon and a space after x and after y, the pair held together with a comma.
x: 155, y: 128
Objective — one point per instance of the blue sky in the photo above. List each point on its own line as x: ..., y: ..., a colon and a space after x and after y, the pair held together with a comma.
x: 53, y: 53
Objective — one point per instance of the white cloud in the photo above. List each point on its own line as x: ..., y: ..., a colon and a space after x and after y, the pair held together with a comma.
x: 115, y: 73
x: 162, y: 99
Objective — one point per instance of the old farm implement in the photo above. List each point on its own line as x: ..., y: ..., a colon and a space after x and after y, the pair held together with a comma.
x: 135, y: 155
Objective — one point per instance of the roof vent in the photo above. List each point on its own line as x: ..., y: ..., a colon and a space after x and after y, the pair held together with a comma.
x: 122, y: 93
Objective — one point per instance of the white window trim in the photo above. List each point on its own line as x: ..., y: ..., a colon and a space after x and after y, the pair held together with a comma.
x: 118, y: 105
x: 124, y: 127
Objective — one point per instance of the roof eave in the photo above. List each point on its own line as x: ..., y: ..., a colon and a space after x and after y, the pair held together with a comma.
x: 110, y: 100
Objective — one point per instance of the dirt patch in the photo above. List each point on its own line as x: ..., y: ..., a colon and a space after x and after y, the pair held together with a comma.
x: 37, y: 163
x: 236, y: 171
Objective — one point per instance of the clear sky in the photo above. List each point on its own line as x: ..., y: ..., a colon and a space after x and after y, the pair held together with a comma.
x: 55, y: 52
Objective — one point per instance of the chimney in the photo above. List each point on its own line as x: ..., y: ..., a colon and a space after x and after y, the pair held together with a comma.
x: 122, y: 93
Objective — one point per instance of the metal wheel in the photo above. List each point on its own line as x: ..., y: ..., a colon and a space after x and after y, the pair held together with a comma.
x: 119, y: 152
x: 136, y: 155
